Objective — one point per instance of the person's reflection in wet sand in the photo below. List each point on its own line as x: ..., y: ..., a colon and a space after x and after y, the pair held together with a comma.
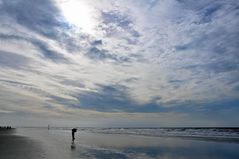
x: 73, y: 146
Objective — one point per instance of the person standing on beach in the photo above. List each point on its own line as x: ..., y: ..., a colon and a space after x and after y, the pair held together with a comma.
x: 73, y: 131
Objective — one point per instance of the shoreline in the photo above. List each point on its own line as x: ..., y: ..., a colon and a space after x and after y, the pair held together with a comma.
x: 199, y: 137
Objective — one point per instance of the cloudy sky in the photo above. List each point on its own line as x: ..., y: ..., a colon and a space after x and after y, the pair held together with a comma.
x: 119, y: 63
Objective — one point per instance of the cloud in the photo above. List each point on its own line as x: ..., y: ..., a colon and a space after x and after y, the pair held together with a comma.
x: 5, y: 111
x: 115, y: 22
x: 143, y: 57
x: 8, y: 59
x: 106, y: 99
x: 43, y: 47
x: 49, y: 53
x: 97, y: 42
x: 38, y: 16
x: 101, y: 54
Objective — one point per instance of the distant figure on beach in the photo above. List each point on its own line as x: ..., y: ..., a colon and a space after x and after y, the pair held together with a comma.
x: 73, y: 131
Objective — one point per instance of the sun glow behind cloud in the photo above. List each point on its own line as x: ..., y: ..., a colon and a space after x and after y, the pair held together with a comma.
x: 79, y: 14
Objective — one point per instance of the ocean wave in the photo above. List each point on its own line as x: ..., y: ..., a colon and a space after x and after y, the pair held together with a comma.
x: 227, y: 133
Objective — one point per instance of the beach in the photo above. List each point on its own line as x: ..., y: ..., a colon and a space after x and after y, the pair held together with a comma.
x: 38, y: 143
x: 15, y: 146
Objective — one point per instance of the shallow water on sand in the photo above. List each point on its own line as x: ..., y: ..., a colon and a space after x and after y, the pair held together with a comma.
x: 57, y: 144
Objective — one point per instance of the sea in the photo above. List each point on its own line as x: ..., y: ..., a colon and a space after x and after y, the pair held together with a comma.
x: 131, y: 143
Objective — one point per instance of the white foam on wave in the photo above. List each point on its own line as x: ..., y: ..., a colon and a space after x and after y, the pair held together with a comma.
x: 171, y: 132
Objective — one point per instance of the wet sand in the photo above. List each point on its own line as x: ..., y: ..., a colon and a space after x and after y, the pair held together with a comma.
x: 41, y: 143
x: 18, y: 147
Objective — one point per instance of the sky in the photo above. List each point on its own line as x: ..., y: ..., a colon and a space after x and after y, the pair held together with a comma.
x: 130, y: 63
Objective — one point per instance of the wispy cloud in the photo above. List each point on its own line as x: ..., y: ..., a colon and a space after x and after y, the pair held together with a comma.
x: 142, y: 58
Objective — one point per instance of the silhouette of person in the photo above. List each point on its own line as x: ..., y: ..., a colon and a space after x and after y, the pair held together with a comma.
x: 73, y: 131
